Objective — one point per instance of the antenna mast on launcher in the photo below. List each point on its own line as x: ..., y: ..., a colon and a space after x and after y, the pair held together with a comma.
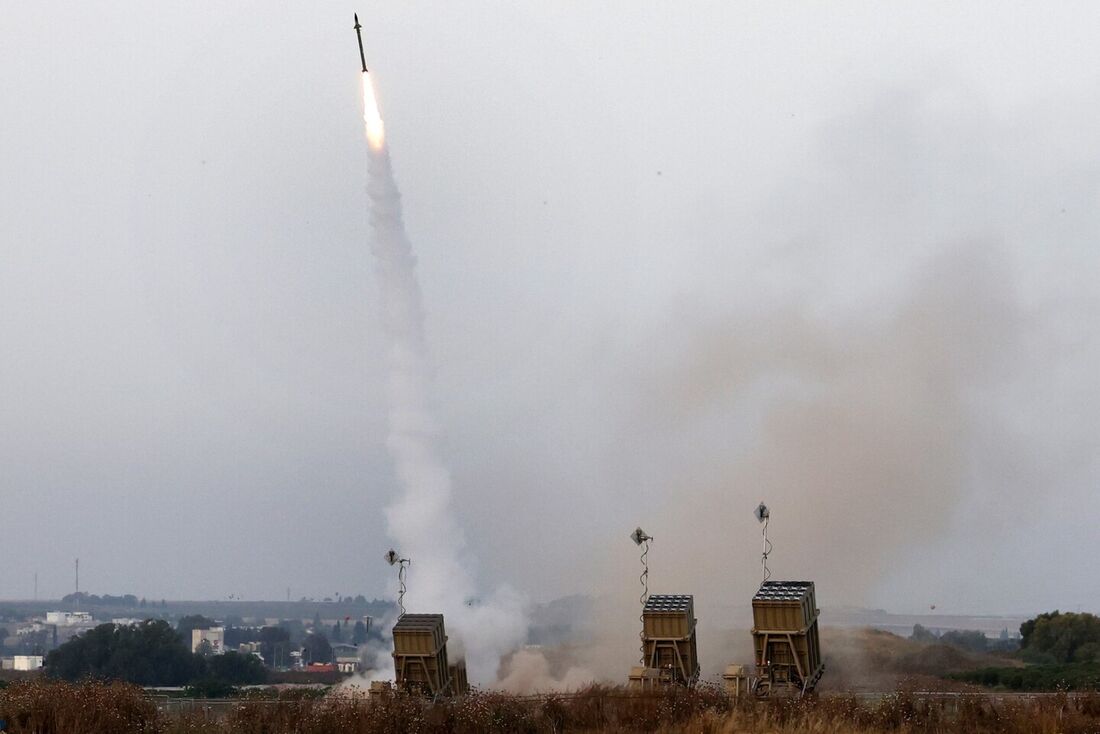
x: 394, y: 559
x: 762, y: 515
x: 641, y: 538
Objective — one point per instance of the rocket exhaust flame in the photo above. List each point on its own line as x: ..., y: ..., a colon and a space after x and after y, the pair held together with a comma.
x: 376, y: 131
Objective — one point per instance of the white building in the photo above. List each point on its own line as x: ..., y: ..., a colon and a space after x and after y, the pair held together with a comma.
x: 69, y: 619
x: 215, y: 636
x: 348, y: 664
x: 27, y: 662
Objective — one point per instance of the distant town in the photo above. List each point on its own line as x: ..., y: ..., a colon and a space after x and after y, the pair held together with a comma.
x: 305, y: 639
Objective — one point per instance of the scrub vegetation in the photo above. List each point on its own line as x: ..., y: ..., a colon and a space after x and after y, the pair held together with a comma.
x: 57, y: 707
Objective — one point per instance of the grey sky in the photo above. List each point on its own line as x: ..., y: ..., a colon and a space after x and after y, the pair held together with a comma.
x: 653, y: 238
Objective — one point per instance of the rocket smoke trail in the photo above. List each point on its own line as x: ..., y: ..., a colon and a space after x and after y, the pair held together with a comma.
x: 421, y: 520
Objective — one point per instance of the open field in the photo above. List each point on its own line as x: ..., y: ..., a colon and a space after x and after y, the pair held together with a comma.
x: 91, y: 708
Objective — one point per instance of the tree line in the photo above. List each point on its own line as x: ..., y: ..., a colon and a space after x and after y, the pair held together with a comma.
x: 149, y: 653
x: 1062, y: 650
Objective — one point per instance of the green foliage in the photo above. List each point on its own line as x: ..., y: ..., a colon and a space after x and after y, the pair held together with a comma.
x: 210, y: 687
x: 149, y: 653
x: 359, y: 633
x: 1086, y: 653
x: 235, y: 669
x: 86, y: 599
x: 192, y: 622
x: 317, y: 649
x: 1027, y: 629
x: 923, y: 634
x: 275, y: 645
x: 220, y: 675
x: 294, y: 628
x: 1055, y: 637
x: 236, y: 636
x: 972, y: 640
x: 1057, y: 677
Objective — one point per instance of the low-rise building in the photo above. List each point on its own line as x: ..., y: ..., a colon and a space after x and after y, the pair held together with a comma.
x: 249, y: 648
x: 214, y: 639
x: 24, y: 663
x: 348, y: 663
x: 27, y: 663
x: 69, y: 619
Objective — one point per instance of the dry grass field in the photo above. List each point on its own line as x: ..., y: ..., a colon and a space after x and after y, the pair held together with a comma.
x: 43, y: 707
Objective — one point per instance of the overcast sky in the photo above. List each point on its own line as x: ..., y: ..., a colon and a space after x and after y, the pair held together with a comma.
x: 676, y: 258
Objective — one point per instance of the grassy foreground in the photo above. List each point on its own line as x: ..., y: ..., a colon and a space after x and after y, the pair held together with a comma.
x: 42, y: 707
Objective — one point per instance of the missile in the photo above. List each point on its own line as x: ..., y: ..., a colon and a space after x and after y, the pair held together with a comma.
x: 359, y: 35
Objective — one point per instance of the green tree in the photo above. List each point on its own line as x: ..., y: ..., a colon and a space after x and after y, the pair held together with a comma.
x: 337, y: 632
x: 149, y: 653
x: 359, y: 633
x: 236, y: 636
x: 1061, y: 638
x: 192, y: 622
x: 219, y: 675
x: 275, y: 645
x: 1089, y: 652
x: 922, y: 634
x: 236, y: 669
x: 1027, y: 629
x: 972, y: 640
x: 317, y: 649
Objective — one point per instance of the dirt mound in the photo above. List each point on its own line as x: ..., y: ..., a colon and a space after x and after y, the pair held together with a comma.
x: 873, y: 660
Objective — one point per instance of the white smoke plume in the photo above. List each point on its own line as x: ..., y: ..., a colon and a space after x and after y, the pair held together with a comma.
x: 530, y: 671
x: 375, y: 660
x: 421, y: 521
